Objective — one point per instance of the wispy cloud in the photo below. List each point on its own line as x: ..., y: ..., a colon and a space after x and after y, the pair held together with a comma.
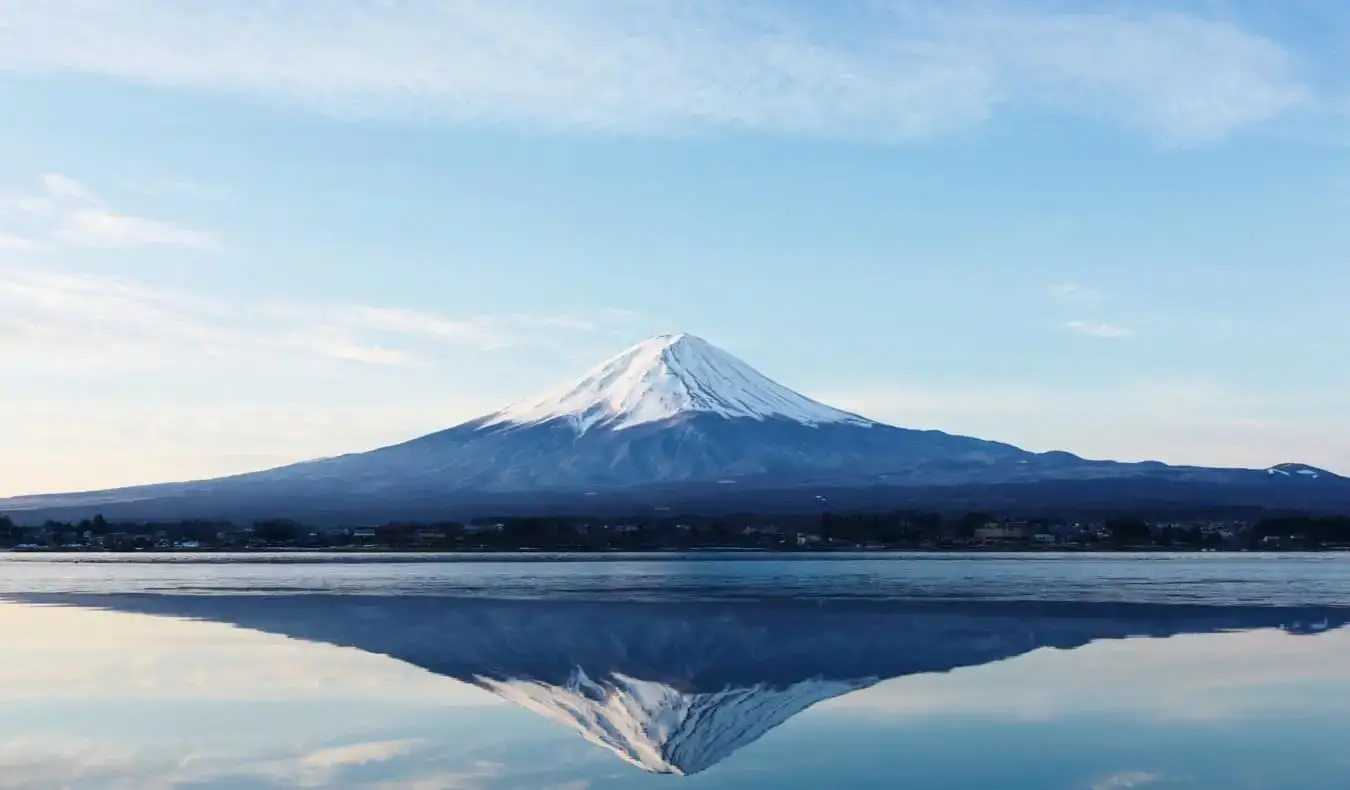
x: 568, y: 322
x: 322, y: 767
x: 1073, y: 292
x: 479, y: 331
x: 875, y: 70
x: 97, y: 228
x: 51, y: 317
x: 1125, y: 780
x: 13, y: 241
x: 65, y: 188
x: 1098, y: 330
x: 179, y: 187
x: 65, y: 211
x: 63, y: 318
x: 367, y: 354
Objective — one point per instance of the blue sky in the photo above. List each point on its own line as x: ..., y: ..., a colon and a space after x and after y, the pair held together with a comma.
x: 237, y: 235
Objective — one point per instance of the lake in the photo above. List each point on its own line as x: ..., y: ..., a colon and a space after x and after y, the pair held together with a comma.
x: 1080, y: 672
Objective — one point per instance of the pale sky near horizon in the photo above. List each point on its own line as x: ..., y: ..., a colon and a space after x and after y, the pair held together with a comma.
x: 234, y: 235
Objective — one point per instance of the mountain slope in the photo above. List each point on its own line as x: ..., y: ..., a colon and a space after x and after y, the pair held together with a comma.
x: 672, y: 411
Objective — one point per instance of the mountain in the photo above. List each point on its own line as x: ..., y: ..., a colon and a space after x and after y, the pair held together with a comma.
x: 675, y: 687
x: 675, y: 419
x: 659, y: 728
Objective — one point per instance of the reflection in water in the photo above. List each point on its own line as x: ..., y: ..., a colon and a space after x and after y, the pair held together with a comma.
x: 678, y: 687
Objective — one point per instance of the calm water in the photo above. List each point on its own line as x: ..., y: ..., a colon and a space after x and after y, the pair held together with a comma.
x: 1021, y: 672
x: 1223, y: 579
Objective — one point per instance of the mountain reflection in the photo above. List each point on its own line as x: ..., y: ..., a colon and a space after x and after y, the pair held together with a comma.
x: 677, y: 687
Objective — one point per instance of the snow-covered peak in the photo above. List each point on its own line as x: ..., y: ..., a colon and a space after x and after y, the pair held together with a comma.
x: 1299, y: 470
x: 664, y: 377
x: 659, y: 729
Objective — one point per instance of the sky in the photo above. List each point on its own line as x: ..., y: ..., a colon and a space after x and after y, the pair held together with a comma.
x: 236, y: 235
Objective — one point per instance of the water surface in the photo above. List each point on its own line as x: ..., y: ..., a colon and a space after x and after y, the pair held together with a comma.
x: 938, y: 671
x: 1221, y: 579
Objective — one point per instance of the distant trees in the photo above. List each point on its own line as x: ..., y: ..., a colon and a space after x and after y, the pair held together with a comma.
x: 1305, y: 530
x: 1129, y: 532
x: 278, y: 530
x: 900, y: 529
x: 967, y: 524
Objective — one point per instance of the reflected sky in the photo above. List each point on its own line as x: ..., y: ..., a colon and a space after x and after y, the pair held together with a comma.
x: 165, y: 691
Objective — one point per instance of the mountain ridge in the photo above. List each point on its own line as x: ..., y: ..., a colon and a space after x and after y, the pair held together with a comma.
x: 673, y: 411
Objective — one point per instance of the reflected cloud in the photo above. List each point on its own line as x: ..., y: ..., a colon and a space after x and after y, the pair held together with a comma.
x: 1124, y: 781
x: 323, y: 763
x: 105, y: 763
x: 60, y: 653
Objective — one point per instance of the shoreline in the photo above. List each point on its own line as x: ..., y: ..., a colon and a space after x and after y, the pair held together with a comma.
x: 727, y: 550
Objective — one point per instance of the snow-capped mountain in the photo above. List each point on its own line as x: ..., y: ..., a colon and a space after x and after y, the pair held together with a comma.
x: 1299, y: 471
x: 664, y: 378
x: 675, y: 416
x: 676, y: 687
x: 660, y: 729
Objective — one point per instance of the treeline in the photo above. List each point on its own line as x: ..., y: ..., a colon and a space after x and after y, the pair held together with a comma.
x: 1313, y: 530
x: 896, y: 529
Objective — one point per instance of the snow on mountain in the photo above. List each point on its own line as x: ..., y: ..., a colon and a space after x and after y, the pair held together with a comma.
x: 665, y: 377
x: 659, y: 729
x: 1299, y: 470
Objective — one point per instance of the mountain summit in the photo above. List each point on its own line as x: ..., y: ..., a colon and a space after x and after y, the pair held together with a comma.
x: 676, y: 420
x: 666, y: 377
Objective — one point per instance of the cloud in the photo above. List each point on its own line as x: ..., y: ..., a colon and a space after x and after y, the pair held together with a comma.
x: 55, y: 318
x: 1098, y: 330
x: 66, y: 211
x: 1076, y: 294
x: 1124, y: 781
x: 179, y: 187
x: 478, y: 331
x: 239, y: 385
x: 322, y: 768
x: 95, y: 228
x: 65, y: 188
x: 887, y: 71
x: 62, y: 319
x: 368, y: 354
x: 13, y: 241
x: 568, y: 322
x: 1073, y: 292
